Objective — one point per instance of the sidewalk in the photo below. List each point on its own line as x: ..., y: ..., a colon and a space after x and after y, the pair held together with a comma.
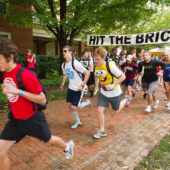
x: 131, y: 135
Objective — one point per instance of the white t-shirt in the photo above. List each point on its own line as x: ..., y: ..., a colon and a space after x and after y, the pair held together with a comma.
x: 74, y: 79
x: 117, y: 72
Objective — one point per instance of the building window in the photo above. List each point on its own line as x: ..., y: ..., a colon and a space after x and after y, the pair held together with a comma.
x: 5, y: 35
x: 3, y: 7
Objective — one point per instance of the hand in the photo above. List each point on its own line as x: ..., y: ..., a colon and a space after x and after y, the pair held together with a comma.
x: 10, y: 89
x: 109, y: 87
x: 141, y: 73
x: 80, y: 88
x: 62, y: 87
x: 158, y: 73
x: 96, y: 90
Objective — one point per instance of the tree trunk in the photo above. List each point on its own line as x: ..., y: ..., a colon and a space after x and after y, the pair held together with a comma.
x: 62, y: 43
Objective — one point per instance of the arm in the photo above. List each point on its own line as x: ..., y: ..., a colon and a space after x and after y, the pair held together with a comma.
x: 63, y: 81
x: 36, y: 98
x: 86, y: 77
x: 29, y: 60
x: 160, y: 63
x: 120, y: 79
x: 90, y: 66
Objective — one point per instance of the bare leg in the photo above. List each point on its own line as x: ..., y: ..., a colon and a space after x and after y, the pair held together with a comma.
x: 4, y: 158
x: 101, y: 118
x: 150, y: 99
x: 122, y: 105
x: 57, y: 141
x: 167, y: 88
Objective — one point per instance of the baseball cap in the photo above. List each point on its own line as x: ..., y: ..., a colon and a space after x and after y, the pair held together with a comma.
x: 129, y: 57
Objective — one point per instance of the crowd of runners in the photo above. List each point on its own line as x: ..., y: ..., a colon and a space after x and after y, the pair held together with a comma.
x: 113, y: 78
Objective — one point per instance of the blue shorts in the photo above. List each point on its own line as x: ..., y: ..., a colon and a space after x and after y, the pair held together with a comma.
x: 74, y: 97
x: 128, y: 82
x: 166, y: 79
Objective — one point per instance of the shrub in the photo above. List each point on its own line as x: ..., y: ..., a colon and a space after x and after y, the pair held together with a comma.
x: 3, y: 98
x: 44, y: 63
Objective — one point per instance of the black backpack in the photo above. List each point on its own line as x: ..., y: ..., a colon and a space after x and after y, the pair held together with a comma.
x: 1, y: 77
x: 21, y: 86
x: 72, y: 62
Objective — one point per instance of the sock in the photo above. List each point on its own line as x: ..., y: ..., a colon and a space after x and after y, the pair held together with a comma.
x: 75, y: 115
x: 84, y: 104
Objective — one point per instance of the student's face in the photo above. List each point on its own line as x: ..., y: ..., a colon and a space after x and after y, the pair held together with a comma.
x: 89, y: 54
x: 147, y: 56
x: 129, y: 61
x: 4, y: 65
x: 66, y: 53
x: 167, y: 57
x: 85, y: 55
x: 99, y: 60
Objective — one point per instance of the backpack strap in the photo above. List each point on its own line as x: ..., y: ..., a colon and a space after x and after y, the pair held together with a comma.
x: 79, y: 73
x: 20, y: 83
x: 19, y: 80
x: 1, y: 77
x: 108, y: 69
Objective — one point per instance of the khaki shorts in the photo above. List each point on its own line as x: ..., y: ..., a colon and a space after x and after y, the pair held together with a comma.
x: 151, y: 87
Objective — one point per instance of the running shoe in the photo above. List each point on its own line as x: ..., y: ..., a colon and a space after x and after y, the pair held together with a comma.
x: 148, y: 109
x: 100, y: 134
x: 69, y: 151
x: 75, y: 125
x: 156, y: 104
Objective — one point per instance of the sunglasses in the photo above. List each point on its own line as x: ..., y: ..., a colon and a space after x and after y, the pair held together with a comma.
x: 65, y: 51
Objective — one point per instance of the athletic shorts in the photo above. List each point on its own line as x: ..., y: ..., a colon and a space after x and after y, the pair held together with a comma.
x: 166, y: 79
x: 151, y: 87
x: 114, y: 101
x: 128, y: 82
x: 91, y: 79
x: 36, y: 126
x: 74, y: 97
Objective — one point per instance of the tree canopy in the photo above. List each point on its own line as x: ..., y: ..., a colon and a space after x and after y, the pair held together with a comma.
x: 67, y: 19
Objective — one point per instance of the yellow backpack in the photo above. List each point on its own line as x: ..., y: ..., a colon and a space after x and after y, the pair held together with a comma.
x: 105, y: 75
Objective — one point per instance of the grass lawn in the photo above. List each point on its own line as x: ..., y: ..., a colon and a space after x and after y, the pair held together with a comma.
x: 158, y: 158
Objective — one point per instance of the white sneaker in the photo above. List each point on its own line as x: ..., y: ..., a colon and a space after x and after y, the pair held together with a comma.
x: 75, y: 125
x: 168, y: 104
x: 156, y: 104
x: 89, y: 105
x: 99, y: 134
x: 169, y: 108
x: 69, y: 149
x: 148, y: 109
x: 165, y: 98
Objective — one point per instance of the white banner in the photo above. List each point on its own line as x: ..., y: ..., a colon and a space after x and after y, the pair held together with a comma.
x: 157, y: 37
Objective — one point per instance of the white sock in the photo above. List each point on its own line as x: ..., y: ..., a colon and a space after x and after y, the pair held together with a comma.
x: 84, y: 104
x: 75, y: 115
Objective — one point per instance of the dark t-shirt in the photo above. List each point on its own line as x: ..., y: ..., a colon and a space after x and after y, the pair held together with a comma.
x: 150, y: 70
x: 84, y: 62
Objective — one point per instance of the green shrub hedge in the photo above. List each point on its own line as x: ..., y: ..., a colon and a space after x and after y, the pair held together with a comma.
x: 3, y: 98
x: 44, y: 63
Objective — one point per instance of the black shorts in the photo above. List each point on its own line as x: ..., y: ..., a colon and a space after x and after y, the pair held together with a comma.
x: 74, y: 97
x: 166, y: 79
x: 36, y: 126
x: 91, y: 79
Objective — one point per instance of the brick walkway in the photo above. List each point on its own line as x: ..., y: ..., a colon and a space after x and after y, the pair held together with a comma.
x: 131, y: 135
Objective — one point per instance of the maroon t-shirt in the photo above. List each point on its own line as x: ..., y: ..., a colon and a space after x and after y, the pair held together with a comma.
x: 130, y: 70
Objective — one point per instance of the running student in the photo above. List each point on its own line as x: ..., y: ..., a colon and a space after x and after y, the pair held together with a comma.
x: 73, y: 70
x: 166, y: 77
x: 129, y: 69
x: 148, y: 69
x: 110, y: 91
x: 24, y: 117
